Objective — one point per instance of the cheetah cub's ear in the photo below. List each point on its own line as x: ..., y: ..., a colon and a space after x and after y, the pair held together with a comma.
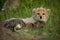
x: 34, y: 10
x: 48, y: 11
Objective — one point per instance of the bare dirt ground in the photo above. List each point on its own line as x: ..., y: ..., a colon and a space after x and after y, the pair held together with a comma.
x: 7, y: 34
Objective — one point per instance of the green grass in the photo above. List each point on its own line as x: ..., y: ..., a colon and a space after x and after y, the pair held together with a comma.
x: 25, y: 10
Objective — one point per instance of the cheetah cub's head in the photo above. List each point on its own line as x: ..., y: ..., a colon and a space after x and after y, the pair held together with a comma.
x: 41, y: 14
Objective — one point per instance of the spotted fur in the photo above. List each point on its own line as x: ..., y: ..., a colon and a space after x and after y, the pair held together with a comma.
x: 13, y: 23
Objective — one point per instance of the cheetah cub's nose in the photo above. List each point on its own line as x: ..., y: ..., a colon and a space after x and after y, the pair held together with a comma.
x: 40, y: 17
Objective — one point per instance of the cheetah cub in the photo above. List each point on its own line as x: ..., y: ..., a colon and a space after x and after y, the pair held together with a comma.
x: 39, y: 18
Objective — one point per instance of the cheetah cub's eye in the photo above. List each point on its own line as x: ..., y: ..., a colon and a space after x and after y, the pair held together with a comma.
x: 38, y: 13
x: 43, y: 13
